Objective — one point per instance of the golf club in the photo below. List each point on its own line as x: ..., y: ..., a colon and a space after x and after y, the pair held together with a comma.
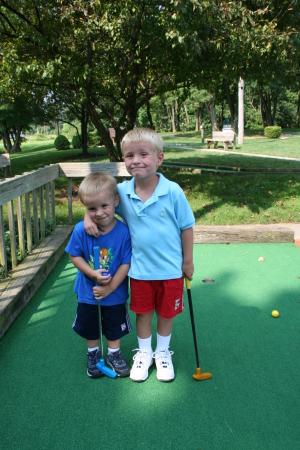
x: 197, y: 376
x: 101, y: 365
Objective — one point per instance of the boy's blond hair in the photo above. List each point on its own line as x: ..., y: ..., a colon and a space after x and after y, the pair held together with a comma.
x: 144, y: 135
x: 95, y: 183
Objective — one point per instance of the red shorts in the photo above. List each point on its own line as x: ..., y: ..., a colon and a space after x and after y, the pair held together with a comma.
x: 165, y: 296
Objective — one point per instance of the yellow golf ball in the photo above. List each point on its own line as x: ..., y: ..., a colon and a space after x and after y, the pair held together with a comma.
x: 275, y: 313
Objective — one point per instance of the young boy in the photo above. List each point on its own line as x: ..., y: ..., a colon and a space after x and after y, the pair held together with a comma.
x: 99, y: 194
x: 160, y: 222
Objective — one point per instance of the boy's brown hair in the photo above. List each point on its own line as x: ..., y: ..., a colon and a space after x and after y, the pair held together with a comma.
x: 95, y: 183
x: 144, y: 135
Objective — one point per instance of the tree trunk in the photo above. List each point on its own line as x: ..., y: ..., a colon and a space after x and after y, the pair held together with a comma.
x: 262, y: 109
x: 269, y: 111
x: 173, y: 119
x: 169, y: 113
x: 274, y: 110
x: 113, y: 154
x: 232, y: 100
x: 266, y: 108
x: 211, y: 109
x: 56, y: 122
x: 84, y: 123
x: 177, y: 118
x: 149, y: 112
x: 57, y: 126
x: 197, y: 126
x: 298, y: 110
x: 186, y: 114
x: 16, y: 145
x: 6, y: 140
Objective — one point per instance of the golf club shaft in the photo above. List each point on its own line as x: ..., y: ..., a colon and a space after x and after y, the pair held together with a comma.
x: 100, y: 327
x: 97, y: 266
x: 188, y: 286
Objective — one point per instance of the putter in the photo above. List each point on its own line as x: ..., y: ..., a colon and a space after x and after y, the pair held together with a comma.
x: 197, y: 376
x: 101, y: 365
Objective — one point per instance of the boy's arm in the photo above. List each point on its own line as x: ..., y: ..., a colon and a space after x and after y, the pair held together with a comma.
x: 90, y: 227
x: 96, y: 275
x: 187, y: 248
x: 120, y: 275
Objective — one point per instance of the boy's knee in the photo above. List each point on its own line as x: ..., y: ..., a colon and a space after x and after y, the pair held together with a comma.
x: 143, y: 318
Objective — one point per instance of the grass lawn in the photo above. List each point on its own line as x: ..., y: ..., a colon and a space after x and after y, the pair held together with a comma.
x: 253, y: 144
x: 215, y: 199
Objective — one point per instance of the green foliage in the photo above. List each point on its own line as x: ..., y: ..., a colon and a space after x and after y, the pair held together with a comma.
x: 93, y: 139
x: 128, y: 51
x: 61, y: 142
x: 68, y: 129
x: 286, y: 113
x: 273, y: 132
x: 76, y: 141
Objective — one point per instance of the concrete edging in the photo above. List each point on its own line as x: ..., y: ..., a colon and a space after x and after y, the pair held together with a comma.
x: 242, y: 233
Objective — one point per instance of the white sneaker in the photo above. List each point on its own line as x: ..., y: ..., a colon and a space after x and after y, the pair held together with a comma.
x: 141, y: 362
x: 164, y: 365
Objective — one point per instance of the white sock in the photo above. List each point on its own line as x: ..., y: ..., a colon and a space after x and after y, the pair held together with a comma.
x: 92, y: 349
x: 163, y: 343
x: 145, y: 344
x: 112, y: 350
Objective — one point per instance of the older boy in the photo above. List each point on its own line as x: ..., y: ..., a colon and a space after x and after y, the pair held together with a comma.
x: 98, y: 192
x: 160, y: 222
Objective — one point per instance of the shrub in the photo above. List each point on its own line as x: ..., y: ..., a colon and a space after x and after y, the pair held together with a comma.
x: 76, y: 141
x: 61, y: 143
x: 273, y: 132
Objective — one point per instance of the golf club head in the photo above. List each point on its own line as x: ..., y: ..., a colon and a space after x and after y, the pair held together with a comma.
x: 106, y: 370
x: 201, y: 376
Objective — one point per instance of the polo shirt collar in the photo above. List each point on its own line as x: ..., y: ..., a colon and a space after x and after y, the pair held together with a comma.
x: 162, y: 187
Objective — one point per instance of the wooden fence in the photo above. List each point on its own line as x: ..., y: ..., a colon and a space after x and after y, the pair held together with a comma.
x: 32, y: 195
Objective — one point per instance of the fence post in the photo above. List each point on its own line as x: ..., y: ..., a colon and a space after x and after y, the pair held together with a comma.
x: 3, y: 256
x: 21, y: 227
x: 28, y: 222
x: 12, y: 229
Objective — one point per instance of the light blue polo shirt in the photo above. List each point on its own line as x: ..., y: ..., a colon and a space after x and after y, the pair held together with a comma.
x: 155, y: 229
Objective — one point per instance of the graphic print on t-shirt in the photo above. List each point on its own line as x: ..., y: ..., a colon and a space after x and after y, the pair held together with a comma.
x: 106, y: 258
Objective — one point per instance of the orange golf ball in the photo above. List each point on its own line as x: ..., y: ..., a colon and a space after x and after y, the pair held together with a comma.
x: 275, y: 313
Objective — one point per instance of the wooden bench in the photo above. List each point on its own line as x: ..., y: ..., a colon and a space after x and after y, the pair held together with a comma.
x: 4, y: 163
x: 226, y: 137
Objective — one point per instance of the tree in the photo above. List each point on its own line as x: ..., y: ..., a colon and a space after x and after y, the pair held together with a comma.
x: 16, y: 116
x: 115, y: 56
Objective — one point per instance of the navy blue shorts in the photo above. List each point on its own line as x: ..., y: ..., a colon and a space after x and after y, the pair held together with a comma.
x: 115, y: 321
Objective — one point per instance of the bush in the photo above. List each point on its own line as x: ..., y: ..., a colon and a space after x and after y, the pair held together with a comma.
x: 61, y: 143
x: 76, y: 141
x: 273, y: 132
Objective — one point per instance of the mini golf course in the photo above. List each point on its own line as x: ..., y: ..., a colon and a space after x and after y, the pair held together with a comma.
x: 251, y: 401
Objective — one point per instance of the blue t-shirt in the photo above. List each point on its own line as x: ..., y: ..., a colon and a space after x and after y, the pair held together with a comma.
x: 115, y: 249
x: 155, y: 229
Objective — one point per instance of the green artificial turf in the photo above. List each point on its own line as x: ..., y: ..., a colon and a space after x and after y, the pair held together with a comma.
x: 251, y: 401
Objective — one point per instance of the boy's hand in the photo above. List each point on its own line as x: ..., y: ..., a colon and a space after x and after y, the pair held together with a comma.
x: 90, y: 227
x: 99, y: 278
x: 101, y: 291
x: 188, y: 270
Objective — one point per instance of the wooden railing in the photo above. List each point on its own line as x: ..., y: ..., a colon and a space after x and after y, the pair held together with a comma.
x: 34, y: 192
